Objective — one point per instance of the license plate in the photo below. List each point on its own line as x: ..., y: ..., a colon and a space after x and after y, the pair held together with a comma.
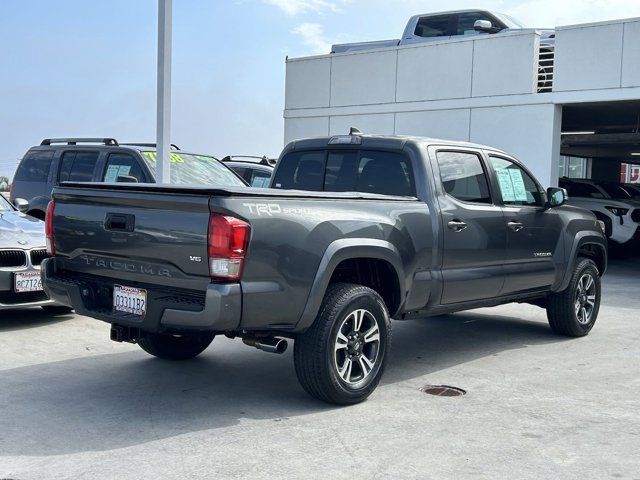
x: 27, y: 282
x: 129, y: 300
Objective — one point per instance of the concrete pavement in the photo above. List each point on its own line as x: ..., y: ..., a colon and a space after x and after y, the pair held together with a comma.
x: 75, y: 405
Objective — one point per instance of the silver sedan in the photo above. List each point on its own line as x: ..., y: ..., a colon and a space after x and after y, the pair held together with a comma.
x: 22, y: 241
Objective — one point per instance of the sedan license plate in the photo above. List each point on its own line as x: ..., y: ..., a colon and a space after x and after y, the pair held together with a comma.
x: 130, y: 300
x: 27, y: 282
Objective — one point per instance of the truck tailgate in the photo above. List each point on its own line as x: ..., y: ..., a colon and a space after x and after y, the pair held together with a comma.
x: 135, y: 236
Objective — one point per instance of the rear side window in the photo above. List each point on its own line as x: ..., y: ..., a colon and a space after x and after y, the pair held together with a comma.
x: 387, y: 173
x: 434, y: 26
x: 463, y: 176
x: 122, y: 165
x: 34, y: 167
x: 77, y: 166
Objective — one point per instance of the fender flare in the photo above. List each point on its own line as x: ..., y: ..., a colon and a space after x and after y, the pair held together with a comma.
x: 581, y: 239
x: 345, y: 249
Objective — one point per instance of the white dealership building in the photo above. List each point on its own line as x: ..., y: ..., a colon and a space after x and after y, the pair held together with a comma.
x: 485, y: 89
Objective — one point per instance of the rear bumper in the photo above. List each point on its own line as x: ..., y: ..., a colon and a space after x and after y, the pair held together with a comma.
x: 218, y: 309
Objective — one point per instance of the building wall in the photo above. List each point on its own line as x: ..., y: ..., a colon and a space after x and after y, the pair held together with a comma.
x: 481, y: 89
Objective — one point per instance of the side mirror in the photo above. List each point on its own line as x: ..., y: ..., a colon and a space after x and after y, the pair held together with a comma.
x: 556, y: 197
x: 21, y: 204
x: 484, y: 26
x: 126, y: 179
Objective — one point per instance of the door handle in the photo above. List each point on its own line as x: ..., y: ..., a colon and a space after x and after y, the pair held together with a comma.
x: 515, y: 226
x: 457, y: 225
x: 119, y: 222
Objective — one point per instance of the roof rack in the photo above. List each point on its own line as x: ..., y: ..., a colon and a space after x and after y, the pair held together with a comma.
x: 74, y: 141
x: 264, y: 160
x: 153, y: 145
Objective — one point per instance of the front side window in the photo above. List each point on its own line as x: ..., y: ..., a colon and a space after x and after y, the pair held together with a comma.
x: 77, y: 166
x: 434, y: 26
x: 35, y: 167
x: 463, y: 176
x: 517, y: 187
x: 122, y: 165
x: 259, y: 179
x: 5, y: 206
x: 466, y: 22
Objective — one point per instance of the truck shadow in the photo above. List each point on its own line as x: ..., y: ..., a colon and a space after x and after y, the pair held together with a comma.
x: 20, y: 319
x: 112, y: 401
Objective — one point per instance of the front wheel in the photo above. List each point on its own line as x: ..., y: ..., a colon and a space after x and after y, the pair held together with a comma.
x: 341, y: 357
x: 574, y: 311
x: 175, y: 347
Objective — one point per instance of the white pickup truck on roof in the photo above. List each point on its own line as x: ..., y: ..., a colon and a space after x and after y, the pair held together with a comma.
x: 448, y: 25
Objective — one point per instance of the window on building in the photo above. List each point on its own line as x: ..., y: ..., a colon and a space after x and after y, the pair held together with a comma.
x: 574, y: 167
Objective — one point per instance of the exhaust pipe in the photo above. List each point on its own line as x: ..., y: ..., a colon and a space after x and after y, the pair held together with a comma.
x: 267, y: 344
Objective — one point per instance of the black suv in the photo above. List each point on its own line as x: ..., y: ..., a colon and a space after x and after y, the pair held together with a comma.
x: 58, y: 160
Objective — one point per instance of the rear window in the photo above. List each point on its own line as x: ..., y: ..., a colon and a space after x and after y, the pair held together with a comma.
x: 34, y: 167
x: 371, y: 171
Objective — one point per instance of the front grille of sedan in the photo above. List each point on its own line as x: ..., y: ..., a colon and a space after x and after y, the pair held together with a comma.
x: 635, y: 215
x: 13, y: 258
x: 37, y: 256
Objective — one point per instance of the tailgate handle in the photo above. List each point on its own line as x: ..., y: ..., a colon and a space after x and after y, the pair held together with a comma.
x: 120, y: 222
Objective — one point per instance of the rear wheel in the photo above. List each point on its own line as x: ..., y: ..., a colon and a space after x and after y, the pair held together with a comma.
x: 175, y: 347
x: 342, y: 356
x: 573, y: 312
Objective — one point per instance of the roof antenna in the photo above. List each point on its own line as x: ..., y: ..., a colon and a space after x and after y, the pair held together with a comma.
x: 355, y: 131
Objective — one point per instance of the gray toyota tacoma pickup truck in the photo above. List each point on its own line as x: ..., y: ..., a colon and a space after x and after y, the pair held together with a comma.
x: 355, y: 230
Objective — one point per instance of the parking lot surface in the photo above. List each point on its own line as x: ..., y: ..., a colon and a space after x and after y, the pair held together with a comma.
x: 75, y: 405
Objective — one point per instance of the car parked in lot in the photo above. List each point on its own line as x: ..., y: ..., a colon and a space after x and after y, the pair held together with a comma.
x: 22, y: 249
x: 58, y: 160
x: 447, y: 25
x: 610, y: 203
x: 355, y: 230
x: 256, y: 171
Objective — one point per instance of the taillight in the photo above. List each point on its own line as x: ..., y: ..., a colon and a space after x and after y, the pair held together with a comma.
x: 48, y: 228
x: 228, y: 240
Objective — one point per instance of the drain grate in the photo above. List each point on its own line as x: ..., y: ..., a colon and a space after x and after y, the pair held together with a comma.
x: 443, y: 391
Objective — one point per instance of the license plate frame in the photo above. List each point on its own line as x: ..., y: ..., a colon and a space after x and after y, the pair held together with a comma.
x: 130, y: 300
x: 26, y: 282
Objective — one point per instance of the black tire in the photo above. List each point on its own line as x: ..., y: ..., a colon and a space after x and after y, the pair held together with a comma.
x: 563, y: 312
x: 318, y: 351
x: 175, y: 347
x: 56, y: 309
